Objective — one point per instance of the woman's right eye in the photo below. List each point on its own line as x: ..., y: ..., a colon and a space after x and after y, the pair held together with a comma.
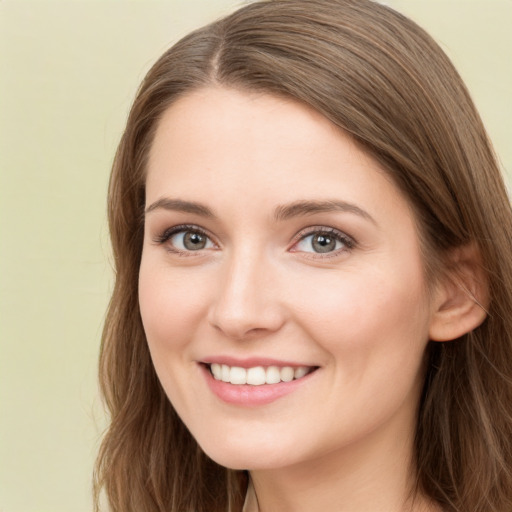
x: 186, y: 240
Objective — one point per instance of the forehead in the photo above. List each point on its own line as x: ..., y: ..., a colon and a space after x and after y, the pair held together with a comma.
x: 236, y: 151
x: 214, y: 116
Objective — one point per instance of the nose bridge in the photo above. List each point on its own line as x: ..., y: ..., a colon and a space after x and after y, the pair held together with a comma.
x: 246, y: 301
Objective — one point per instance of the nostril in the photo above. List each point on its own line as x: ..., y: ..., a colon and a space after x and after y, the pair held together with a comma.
x: 245, y: 308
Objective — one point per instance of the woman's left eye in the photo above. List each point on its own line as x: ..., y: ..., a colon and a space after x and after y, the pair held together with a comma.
x: 322, y: 242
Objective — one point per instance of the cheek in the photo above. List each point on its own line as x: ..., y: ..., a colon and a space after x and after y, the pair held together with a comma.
x: 372, y: 308
x: 171, y: 303
x: 374, y: 331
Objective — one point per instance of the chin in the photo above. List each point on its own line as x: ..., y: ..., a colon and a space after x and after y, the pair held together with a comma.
x: 250, y: 457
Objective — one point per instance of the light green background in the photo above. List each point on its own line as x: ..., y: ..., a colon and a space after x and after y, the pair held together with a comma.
x: 68, y: 73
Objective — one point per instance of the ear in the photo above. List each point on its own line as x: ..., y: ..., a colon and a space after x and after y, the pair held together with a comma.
x: 461, y: 298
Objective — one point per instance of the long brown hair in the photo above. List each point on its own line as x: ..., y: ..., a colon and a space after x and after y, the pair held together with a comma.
x: 382, y: 79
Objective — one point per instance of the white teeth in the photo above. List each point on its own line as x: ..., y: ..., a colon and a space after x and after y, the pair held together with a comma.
x: 273, y: 375
x: 287, y: 374
x: 216, y: 370
x: 301, y: 371
x: 258, y: 375
x: 238, y: 375
x: 224, y: 376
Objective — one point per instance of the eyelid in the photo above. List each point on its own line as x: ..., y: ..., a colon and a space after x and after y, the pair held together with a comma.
x: 168, y: 233
x: 349, y: 241
x: 346, y: 239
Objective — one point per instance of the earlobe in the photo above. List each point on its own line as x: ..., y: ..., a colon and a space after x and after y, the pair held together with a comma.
x: 461, y: 297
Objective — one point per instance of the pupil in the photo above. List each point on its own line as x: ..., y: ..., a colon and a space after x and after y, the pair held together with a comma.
x: 194, y: 241
x: 323, y: 243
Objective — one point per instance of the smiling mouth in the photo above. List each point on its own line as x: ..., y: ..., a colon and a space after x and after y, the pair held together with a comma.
x: 258, y: 375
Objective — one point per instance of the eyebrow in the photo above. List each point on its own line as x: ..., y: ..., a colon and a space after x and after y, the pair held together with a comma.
x: 178, y: 205
x: 282, y: 212
x: 304, y: 208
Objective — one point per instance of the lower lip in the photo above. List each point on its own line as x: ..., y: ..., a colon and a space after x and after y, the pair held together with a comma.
x: 250, y: 396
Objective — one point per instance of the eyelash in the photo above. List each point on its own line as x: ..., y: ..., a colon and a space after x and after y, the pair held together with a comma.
x: 347, y: 241
x: 184, y: 228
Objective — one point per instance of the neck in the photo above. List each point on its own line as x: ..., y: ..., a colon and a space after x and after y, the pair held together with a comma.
x: 376, y: 477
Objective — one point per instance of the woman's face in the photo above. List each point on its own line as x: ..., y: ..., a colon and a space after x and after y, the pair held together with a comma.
x: 276, y: 249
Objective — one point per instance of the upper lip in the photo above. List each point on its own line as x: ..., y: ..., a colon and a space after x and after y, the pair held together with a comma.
x: 252, y: 362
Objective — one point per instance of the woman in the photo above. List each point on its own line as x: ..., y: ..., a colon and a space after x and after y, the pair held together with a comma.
x: 313, y: 291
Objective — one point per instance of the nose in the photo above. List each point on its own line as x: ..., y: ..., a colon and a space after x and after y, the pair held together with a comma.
x: 246, y: 304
